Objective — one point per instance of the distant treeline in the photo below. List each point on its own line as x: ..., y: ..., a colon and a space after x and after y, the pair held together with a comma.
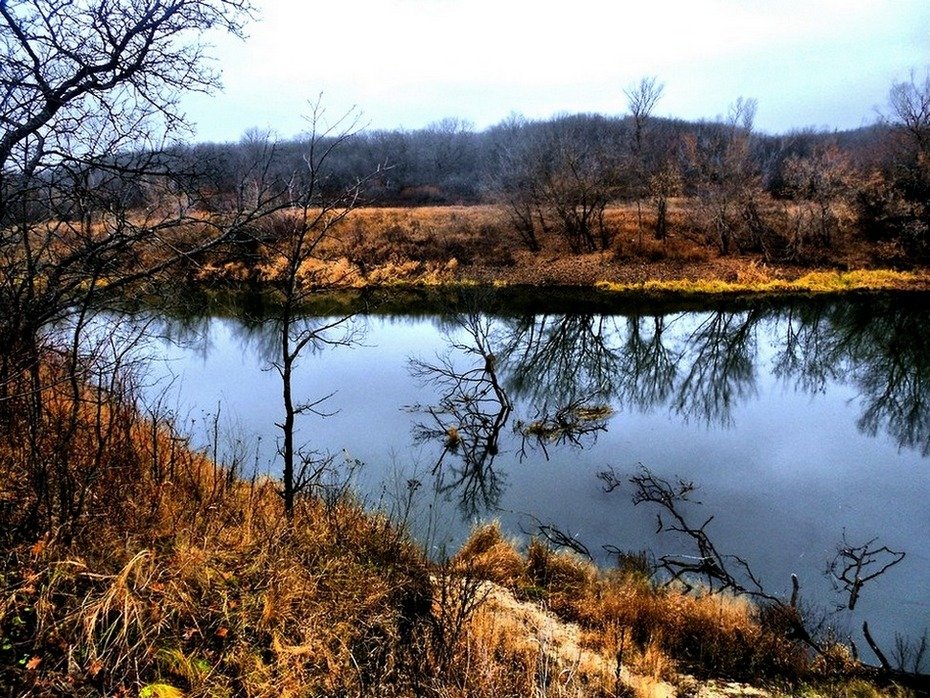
x: 449, y: 162
x: 780, y: 195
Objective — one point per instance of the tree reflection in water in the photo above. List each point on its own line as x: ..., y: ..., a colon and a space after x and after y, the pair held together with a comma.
x: 883, y: 349
x: 567, y: 375
x: 555, y: 359
x: 537, y: 382
x: 718, y: 362
x: 473, y: 406
x: 468, y: 418
x: 649, y: 368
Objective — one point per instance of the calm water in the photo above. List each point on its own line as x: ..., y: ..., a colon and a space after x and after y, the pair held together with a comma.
x: 799, y: 423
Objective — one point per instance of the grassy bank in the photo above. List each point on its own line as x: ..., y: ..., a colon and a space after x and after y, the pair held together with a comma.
x: 475, y: 245
x: 133, y: 565
x: 755, y: 280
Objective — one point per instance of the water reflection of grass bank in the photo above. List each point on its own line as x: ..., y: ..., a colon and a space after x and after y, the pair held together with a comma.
x: 640, y: 298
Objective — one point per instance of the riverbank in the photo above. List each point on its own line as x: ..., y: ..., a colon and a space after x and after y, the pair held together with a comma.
x: 337, y: 601
x: 134, y: 565
x: 475, y: 245
x: 170, y: 575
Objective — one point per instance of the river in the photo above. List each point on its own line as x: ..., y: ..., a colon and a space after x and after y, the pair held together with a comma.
x: 803, y: 425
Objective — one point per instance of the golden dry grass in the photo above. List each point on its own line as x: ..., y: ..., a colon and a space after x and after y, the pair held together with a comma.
x: 657, y: 630
x: 758, y: 279
x: 442, y: 245
x: 186, y: 579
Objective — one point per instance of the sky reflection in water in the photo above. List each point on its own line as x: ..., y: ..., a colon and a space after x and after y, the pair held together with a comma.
x: 797, y: 422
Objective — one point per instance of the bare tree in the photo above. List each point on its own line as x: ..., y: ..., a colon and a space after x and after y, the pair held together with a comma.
x: 728, y: 181
x: 907, y: 212
x: 89, y: 93
x: 663, y: 185
x: 559, y: 175
x: 88, y: 106
x: 642, y: 98
x: 296, y: 236
x: 816, y: 184
x: 579, y: 179
x: 910, y: 106
x: 515, y: 180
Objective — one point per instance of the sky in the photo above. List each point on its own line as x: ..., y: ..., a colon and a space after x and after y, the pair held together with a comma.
x: 826, y: 64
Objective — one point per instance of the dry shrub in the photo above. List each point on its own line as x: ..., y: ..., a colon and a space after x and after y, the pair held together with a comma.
x: 674, y: 249
x: 85, y: 461
x: 653, y: 661
x: 488, y: 555
x: 681, y: 249
x: 564, y: 577
x: 755, y: 274
x: 628, y: 249
x: 716, y: 635
x: 317, y: 273
x: 657, y: 626
x: 516, y: 648
x: 374, y: 237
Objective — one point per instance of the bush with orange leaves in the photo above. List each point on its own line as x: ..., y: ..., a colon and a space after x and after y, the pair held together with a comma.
x: 708, y: 634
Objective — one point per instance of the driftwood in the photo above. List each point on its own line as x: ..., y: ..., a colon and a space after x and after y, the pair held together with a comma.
x: 853, y: 566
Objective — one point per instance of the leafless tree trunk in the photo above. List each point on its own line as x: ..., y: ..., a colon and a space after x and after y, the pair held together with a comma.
x: 298, y: 235
x: 642, y: 98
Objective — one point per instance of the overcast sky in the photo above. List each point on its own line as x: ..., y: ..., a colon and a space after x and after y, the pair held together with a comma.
x: 407, y: 63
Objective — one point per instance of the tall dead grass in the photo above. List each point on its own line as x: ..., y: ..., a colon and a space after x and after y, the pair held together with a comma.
x: 184, y: 577
x: 179, y: 572
x: 632, y: 622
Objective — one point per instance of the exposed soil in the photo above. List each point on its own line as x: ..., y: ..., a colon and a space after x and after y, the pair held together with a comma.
x: 565, y: 653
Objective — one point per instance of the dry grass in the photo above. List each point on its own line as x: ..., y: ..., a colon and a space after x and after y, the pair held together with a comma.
x: 316, y: 606
x: 433, y: 245
x: 181, y: 574
x: 182, y: 578
x: 759, y: 279
x: 384, y: 246
x: 618, y: 630
x: 444, y: 245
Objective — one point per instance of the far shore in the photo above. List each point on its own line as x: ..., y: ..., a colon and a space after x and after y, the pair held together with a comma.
x: 460, y: 246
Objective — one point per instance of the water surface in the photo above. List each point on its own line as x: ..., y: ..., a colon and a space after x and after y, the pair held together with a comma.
x: 803, y: 425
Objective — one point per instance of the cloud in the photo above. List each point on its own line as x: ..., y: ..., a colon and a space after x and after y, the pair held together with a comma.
x: 415, y: 60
